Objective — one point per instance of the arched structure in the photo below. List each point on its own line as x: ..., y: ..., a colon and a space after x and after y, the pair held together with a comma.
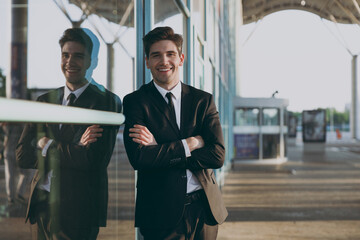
x: 340, y: 11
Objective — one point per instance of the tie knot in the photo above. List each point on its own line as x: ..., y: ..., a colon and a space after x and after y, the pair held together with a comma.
x: 71, y: 99
x: 169, y: 96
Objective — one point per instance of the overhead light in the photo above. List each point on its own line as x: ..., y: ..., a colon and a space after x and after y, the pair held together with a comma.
x: 303, y: 3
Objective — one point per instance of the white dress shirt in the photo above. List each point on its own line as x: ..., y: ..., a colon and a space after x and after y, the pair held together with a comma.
x: 193, y: 183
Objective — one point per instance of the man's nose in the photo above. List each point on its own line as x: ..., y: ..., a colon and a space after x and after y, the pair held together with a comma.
x: 164, y: 58
x: 71, y: 59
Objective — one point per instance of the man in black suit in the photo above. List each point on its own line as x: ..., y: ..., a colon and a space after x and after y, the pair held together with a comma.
x: 69, y: 192
x: 173, y: 138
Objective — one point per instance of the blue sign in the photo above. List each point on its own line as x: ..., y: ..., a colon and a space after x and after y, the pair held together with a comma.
x: 246, y: 146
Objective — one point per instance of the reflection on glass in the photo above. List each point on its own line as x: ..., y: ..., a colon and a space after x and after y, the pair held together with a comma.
x: 121, y: 176
x: 2, y: 84
x: 210, y: 31
x: 270, y: 117
x: 199, y: 73
x: 166, y: 13
x: 271, y: 146
x: 247, y: 117
x: 199, y: 17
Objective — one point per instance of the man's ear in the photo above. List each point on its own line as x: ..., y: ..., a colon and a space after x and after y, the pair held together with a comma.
x: 182, y: 58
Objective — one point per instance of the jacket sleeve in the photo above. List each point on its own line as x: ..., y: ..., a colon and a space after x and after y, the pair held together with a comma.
x: 164, y: 155
x: 27, y: 155
x: 95, y: 155
x: 212, y: 155
x: 64, y: 153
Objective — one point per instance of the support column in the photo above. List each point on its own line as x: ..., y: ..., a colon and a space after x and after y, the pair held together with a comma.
x: 354, y: 100
x: 110, y: 66
x: 16, y: 83
x: 144, y: 23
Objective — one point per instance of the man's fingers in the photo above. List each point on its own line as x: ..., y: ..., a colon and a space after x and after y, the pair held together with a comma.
x: 139, y: 132
x: 139, y: 136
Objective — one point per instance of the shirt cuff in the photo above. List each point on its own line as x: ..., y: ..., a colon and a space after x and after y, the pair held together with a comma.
x: 46, y: 147
x: 186, y: 147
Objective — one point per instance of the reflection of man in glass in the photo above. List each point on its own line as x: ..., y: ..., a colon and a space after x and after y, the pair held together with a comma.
x: 69, y: 192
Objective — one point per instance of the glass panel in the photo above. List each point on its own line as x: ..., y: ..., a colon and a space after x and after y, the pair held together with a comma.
x: 285, y: 145
x: 199, y: 49
x: 2, y: 84
x: 199, y: 17
x: 210, y: 26
x: 209, y: 78
x: 199, y: 73
x: 271, y: 117
x: 247, y: 117
x: 271, y: 146
x: 166, y: 13
x: 44, y: 74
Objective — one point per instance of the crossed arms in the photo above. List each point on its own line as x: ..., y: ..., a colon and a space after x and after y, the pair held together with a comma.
x: 150, y: 145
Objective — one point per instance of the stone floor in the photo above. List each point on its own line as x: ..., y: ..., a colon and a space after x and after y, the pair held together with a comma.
x: 315, y: 195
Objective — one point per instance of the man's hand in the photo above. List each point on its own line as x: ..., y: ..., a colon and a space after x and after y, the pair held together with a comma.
x: 195, y: 142
x: 91, y: 135
x: 140, y: 134
x: 42, y: 142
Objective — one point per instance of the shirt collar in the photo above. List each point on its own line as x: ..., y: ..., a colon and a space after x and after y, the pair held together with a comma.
x: 176, y: 91
x: 77, y: 92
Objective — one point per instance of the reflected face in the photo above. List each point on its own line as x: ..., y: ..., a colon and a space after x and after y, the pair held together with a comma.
x: 164, y: 62
x: 74, y: 62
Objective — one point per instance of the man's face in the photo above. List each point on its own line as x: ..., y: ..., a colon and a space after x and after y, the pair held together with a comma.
x: 164, y: 62
x: 74, y: 62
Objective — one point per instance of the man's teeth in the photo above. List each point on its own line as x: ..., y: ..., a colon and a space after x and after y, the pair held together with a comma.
x: 164, y: 70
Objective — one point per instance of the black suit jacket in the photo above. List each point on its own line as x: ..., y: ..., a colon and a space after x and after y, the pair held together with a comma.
x: 79, y: 187
x: 161, y: 183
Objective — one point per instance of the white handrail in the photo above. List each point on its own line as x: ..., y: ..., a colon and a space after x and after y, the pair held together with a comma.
x: 14, y: 110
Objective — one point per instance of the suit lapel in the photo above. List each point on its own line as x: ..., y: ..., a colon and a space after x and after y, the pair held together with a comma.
x: 161, y: 104
x: 85, y: 99
x: 186, y: 107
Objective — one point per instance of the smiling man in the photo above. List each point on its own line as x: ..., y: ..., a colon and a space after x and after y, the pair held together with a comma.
x: 173, y: 138
x: 69, y: 192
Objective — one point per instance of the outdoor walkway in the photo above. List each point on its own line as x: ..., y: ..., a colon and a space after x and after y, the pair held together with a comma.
x: 315, y: 196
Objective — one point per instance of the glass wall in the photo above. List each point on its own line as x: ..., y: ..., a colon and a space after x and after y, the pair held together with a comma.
x: 205, y: 28
x: 42, y: 73
x: 247, y: 117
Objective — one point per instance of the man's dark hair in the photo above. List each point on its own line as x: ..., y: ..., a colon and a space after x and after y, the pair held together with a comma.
x: 77, y: 35
x: 162, y: 33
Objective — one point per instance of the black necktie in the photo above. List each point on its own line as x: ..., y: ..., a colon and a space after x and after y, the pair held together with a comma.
x: 171, y: 106
x: 71, y: 99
